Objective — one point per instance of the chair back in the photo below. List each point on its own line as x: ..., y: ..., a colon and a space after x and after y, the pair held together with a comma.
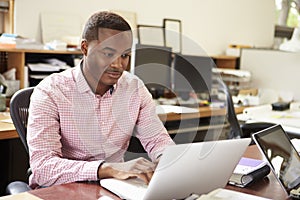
x: 235, y: 129
x: 243, y: 130
x: 19, y: 105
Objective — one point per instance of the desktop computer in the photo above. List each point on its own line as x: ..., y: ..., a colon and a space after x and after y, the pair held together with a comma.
x: 153, y: 67
x: 192, y: 74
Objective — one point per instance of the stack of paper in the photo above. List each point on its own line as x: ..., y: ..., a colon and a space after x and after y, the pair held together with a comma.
x: 222, y: 194
x: 164, y: 109
x: 43, y: 67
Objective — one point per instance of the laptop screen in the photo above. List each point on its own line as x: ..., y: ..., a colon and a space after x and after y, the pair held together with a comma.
x: 281, y: 154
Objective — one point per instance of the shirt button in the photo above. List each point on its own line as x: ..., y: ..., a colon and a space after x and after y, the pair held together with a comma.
x: 102, y: 123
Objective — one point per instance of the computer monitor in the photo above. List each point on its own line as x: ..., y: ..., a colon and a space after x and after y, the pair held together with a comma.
x: 192, y: 74
x: 153, y: 66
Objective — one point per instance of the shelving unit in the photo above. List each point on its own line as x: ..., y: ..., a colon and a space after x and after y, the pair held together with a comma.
x: 228, y: 62
x: 16, y: 58
x: 7, y: 15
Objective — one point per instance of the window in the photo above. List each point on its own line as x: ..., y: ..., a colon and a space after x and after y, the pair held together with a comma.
x: 288, y: 12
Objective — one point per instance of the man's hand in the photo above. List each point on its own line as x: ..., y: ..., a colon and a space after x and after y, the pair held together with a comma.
x: 137, y: 168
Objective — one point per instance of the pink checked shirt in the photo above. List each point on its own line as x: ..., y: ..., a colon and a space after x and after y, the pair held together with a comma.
x: 71, y: 131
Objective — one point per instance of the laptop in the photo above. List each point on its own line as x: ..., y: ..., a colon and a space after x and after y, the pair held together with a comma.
x: 282, y: 157
x: 185, y: 169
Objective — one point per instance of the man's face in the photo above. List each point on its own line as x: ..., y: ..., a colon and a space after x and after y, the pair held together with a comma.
x: 108, y: 56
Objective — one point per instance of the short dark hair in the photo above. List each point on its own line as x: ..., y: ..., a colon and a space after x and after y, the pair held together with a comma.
x: 103, y: 19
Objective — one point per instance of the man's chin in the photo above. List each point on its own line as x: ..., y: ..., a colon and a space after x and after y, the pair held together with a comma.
x: 110, y: 81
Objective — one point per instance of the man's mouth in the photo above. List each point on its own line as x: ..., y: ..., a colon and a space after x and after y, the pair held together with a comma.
x: 114, y: 73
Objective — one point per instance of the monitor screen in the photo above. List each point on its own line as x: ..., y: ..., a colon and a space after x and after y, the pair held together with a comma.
x: 192, y: 73
x: 153, y: 66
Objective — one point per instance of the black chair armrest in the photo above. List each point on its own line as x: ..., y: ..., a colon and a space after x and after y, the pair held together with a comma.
x: 17, y: 187
x: 249, y: 128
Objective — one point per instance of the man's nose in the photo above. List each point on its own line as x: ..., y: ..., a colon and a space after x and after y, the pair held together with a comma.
x: 117, y: 62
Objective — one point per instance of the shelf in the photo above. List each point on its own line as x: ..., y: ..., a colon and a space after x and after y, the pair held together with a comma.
x: 16, y: 58
x: 7, y: 17
x: 45, y: 51
x: 224, y: 61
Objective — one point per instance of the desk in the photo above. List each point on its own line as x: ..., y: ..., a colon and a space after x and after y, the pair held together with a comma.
x: 7, y: 130
x: 205, y: 111
x: 268, y: 187
x: 196, y: 122
x: 12, y: 153
x: 289, y: 119
x: 12, y: 150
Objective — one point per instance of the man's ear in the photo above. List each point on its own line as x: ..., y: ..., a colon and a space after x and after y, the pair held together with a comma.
x: 84, y: 47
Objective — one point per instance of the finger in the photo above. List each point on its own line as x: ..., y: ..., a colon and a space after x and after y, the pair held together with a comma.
x: 125, y: 175
x: 149, y: 176
x: 148, y: 163
x: 140, y: 168
x: 141, y: 176
x: 144, y: 177
x: 145, y: 162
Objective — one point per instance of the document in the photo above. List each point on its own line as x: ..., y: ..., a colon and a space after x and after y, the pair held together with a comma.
x: 248, y: 165
x: 164, y: 109
x: 264, y: 113
x: 20, y: 196
x: 224, y: 194
x: 7, y: 120
x: 43, y: 67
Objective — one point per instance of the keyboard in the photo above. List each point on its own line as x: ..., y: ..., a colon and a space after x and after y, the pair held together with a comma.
x: 134, y: 188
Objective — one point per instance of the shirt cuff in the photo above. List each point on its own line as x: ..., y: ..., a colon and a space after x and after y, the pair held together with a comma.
x: 90, y: 170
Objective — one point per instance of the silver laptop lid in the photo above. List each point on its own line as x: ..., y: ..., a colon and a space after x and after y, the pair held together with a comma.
x: 195, y: 168
x: 281, y: 155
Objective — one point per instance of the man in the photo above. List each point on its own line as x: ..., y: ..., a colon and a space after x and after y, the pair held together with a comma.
x: 81, y: 120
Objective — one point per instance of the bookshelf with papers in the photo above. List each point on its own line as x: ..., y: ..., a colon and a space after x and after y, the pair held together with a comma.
x: 19, y: 58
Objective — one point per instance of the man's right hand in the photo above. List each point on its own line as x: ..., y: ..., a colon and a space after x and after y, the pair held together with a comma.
x: 137, y: 168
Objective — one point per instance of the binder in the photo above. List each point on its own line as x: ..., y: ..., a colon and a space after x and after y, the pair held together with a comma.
x: 248, y: 171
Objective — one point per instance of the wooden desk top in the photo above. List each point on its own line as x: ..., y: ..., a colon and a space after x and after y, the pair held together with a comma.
x: 268, y: 188
x: 205, y: 111
x: 7, y: 130
x: 14, y: 50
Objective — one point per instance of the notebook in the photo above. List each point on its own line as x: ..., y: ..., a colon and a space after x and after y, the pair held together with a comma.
x: 282, y: 157
x: 185, y: 169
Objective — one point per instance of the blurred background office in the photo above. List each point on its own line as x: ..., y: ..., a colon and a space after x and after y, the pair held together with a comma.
x: 258, y: 39
x: 211, y: 24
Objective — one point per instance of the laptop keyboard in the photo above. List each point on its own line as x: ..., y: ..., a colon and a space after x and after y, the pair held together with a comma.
x: 126, y: 189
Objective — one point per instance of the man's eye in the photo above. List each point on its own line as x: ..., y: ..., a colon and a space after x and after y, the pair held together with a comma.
x: 108, y: 54
x: 125, y: 55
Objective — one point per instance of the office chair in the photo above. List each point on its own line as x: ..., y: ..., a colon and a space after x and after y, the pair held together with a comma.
x: 238, y: 130
x: 19, y: 105
x: 235, y: 129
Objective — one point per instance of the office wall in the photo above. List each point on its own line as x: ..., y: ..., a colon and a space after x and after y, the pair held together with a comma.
x: 211, y: 24
x: 273, y: 70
